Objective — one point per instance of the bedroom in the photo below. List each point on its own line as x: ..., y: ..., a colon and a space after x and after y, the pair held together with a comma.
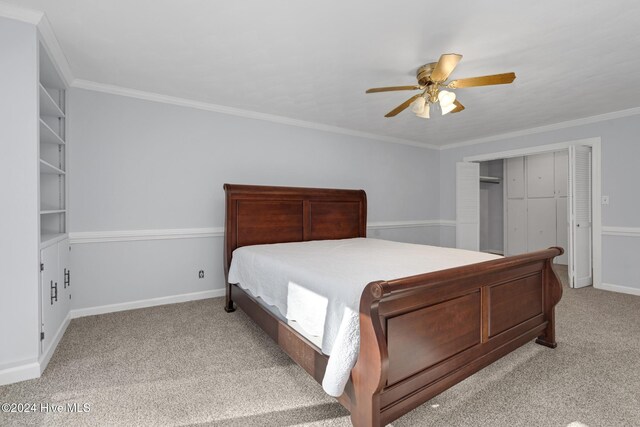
x: 165, y: 102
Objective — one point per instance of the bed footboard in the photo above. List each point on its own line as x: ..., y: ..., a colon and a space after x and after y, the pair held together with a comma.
x: 421, y: 335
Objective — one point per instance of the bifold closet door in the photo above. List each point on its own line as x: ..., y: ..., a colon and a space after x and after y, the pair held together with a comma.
x: 468, y: 206
x: 580, y: 227
x: 562, y: 233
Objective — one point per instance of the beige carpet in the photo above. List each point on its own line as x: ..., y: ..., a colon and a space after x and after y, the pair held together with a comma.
x: 194, y: 364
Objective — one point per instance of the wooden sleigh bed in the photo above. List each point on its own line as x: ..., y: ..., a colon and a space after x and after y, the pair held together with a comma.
x: 419, y: 335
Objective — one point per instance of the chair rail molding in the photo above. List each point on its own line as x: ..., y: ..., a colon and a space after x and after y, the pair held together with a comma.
x: 621, y: 231
x: 82, y: 237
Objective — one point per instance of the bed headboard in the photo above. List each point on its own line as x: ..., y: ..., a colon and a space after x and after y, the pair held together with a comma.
x: 260, y: 214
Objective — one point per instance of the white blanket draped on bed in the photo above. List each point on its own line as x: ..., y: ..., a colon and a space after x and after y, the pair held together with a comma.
x: 319, y: 283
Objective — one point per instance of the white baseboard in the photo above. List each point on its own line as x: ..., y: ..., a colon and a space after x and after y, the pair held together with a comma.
x: 46, y: 357
x: 152, y: 302
x: 23, y: 372
x: 30, y: 369
x: 618, y: 288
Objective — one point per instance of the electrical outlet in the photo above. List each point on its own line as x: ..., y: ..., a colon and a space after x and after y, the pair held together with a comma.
x: 605, y: 200
x: 201, y: 274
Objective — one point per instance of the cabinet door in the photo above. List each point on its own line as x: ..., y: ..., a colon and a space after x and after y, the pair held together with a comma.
x: 540, y: 171
x: 542, y: 224
x: 562, y: 221
x: 64, y: 276
x: 515, y: 178
x: 50, y: 293
x: 516, y: 227
x: 561, y: 179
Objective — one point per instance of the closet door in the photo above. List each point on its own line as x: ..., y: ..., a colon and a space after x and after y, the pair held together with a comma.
x: 468, y: 206
x: 540, y: 175
x: 562, y: 221
x: 515, y: 178
x: 580, y: 227
x: 516, y: 227
x: 50, y: 294
x: 64, y: 276
x: 542, y: 224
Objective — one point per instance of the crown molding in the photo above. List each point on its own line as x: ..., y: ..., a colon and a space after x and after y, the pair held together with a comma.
x: 55, y: 51
x: 547, y: 128
x: 184, y: 102
x: 47, y: 36
x: 30, y: 16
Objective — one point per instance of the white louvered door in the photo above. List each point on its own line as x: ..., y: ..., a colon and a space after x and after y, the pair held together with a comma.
x: 580, y: 226
x: 468, y: 206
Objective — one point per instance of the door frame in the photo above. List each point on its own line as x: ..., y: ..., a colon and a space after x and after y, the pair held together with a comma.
x: 596, y: 186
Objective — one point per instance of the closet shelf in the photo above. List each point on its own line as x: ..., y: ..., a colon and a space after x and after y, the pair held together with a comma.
x: 48, y: 135
x: 491, y: 179
x: 48, y: 106
x: 50, y: 169
x: 52, y: 211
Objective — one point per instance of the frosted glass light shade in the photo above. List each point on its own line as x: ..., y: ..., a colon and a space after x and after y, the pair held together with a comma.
x: 417, y: 106
x: 447, y: 100
x: 425, y: 112
x: 448, y: 109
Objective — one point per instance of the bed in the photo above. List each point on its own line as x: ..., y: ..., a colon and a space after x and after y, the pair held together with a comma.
x: 420, y: 334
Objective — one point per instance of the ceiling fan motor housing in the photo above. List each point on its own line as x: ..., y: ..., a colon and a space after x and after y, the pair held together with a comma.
x: 424, y: 74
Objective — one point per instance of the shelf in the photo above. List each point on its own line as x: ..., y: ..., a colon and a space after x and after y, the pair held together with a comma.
x: 52, y: 211
x: 48, y: 135
x: 49, y: 169
x: 48, y: 106
x: 50, y: 239
x: 491, y: 179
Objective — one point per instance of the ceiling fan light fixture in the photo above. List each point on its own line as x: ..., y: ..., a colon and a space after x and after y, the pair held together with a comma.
x: 425, y: 112
x: 433, y: 77
x: 418, y: 105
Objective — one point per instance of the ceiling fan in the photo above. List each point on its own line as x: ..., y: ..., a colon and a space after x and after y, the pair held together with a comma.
x: 431, y: 79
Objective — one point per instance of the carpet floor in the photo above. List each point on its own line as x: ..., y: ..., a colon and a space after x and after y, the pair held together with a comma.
x: 194, y: 364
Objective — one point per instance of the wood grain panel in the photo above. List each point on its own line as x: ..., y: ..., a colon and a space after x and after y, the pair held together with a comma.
x: 334, y: 220
x: 259, y: 221
x: 422, y: 338
x: 513, y: 303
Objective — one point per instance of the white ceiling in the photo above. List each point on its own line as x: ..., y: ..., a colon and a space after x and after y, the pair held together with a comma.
x: 313, y: 60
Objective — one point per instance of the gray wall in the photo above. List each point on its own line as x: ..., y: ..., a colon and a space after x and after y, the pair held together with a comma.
x: 620, y: 177
x: 19, y: 306
x: 137, y: 164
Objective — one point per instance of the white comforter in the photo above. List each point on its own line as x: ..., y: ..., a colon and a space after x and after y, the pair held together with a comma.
x: 319, y: 283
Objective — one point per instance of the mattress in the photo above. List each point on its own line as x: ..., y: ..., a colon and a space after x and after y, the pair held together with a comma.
x: 318, y: 284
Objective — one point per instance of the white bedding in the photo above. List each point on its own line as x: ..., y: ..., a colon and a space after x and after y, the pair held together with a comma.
x: 318, y: 284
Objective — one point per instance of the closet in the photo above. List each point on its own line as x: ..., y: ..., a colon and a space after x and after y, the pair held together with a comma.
x: 492, y: 207
x: 536, y: 211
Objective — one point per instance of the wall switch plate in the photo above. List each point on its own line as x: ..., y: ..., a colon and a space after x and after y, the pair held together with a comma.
x: 605, y: 200
x: 201, y: 274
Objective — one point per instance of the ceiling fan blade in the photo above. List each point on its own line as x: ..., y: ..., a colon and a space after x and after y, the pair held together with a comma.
x: 446, y: 64
x: 402, y: 106
x: 459, y: 107
x: 392, y: 88
x: 494, y: 79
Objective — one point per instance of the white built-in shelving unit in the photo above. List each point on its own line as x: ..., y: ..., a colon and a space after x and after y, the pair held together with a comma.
x: 55, y: 275
x: 53, y: 183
